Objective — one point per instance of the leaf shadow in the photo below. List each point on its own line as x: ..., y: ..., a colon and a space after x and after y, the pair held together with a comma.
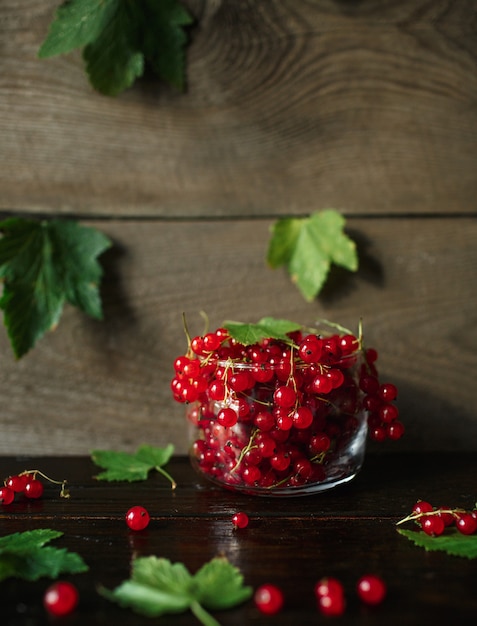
x: 341, y: 282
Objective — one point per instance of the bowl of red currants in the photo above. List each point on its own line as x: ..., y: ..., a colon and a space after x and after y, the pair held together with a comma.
x: 279, y: 409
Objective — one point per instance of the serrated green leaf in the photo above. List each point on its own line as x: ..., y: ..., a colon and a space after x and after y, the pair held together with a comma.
x: 114, y: 59
x: 76, y: 24
x: 285, y: 233
x: 452, y: 542
x: 27, y: 541
x: 25, y: 555
x: 164, y: 43
x: 220, y: 585
x: 158, y: 587
x: 119, y: 36
x: 267, y: 327
x: 308, y: 247
x: 43, y: 265
x: 132, y: 466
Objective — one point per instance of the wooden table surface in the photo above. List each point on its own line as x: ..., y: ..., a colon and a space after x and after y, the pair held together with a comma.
x: 291, y: 542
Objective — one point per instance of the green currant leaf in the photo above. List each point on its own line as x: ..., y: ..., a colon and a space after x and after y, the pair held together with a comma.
x: 44, y: 264
x: 118, y: 37
x: 267, y: 327
x: 158, y: 587
x: 452, y: 542
x: 25, y: 555
x: 131, y: 467
x: 308, y: 246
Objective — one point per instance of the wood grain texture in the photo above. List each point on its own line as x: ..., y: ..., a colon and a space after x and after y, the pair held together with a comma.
x: 292, y: 105
x: 347, y: 532
x: 106, y: 384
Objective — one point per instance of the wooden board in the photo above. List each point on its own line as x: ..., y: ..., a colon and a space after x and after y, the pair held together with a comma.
x: 101, y: 384
x: 292, y: 106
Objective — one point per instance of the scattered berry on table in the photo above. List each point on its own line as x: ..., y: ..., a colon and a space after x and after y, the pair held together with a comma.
x: 330, y: 596
x: 240, y: 519
x: 269, y: 599
x: 137, y: 518
x: 61, y: 598
x: 371, y: 589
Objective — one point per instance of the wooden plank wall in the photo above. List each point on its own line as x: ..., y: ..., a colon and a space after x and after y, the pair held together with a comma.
x: 369, y: 107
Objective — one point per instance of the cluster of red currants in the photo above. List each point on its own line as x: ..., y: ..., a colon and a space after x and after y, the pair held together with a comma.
x: 276, y: 413
x: 434, y: 520
x: 28, y: 484
x: 329, y: 593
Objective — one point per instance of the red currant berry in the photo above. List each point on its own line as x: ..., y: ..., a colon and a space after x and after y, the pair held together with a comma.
x: 137, y: 518
x: 388, y: 392
x: 332, y: 604
x: 17, y: 483
x: 466, y: 523
x: 371, y: 589
x: 432, y: 525
x: 7, y: 495
x: 284, y: 396
x: 33, y: 488
x: 310, y: 349
x: 395, y: 430
x: 328, y: 587
x: 348, y: 344
x: 269, y: 599
x: 227, y: 417
x: 240, y: 520
x: 388, y: 412
x: 61, y: 598
x: 447, y: 518
x: 321, y: 384
x: 302, y: 417
x: 421, y: 507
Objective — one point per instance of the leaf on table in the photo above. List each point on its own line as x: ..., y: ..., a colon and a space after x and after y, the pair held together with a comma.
x: 118, y: 37
x: 267, y: 327
x: 452, y: 542
x: 43, y: 265
x: 25, y: 555
x: 309, y: 246
x: 133, y: 466
x: 158, y: 587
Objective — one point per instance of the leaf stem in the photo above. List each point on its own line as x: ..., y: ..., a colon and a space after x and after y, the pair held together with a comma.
x: 202, y: 615
x: 167, y: 475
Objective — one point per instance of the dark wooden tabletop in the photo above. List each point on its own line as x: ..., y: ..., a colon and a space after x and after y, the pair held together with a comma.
x: 290, y: 542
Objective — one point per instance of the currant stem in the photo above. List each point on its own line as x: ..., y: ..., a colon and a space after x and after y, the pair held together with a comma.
x: 414, y: 516
x: 202, y: 615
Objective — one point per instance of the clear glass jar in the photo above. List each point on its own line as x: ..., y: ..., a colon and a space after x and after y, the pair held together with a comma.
x: 280, y: 427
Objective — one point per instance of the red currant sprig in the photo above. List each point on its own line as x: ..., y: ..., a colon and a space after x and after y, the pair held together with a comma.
x: 28, y: 483
x: 434, y: 520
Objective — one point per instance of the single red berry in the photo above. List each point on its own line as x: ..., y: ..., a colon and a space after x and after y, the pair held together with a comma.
x: 422, y: 506
x: 240, y: 519
x: 332, y: 605
x: 17, y: 483
x: 328, y: 586
x: 466, y: 523
x: 284, y: 396
x: 61, y: 598
x: 269, y: 599
x: 7, y: 495
x: 432, y: 525
x: 371, y: 589
x: 33, y: 488
x: 137, y: 518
